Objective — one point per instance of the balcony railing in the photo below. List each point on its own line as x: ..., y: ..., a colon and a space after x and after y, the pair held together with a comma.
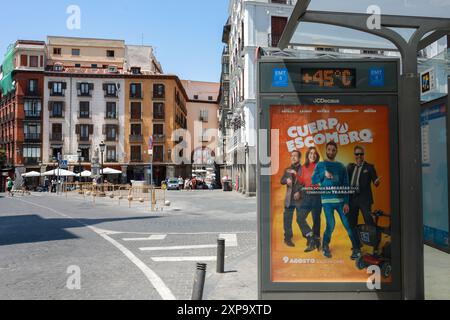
x: 159, y: 116
x: 56, y: 137
x: 32, y: 137
x: 111, y: 160
x: 136, y: 139
x: 33, y: 115
x: 159, y: 137
x: 84, y: 138
x: 136, y: 158
x: 273, y: 40
x: 31, y: 161
x: 111, y: 138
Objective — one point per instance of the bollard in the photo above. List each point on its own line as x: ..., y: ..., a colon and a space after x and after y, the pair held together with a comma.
x: 220, y: 255
x: 199, y: 281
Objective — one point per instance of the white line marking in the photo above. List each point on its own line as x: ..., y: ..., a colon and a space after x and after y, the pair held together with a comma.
x: 230, y: 239
x: 183, y: 259
x: 154, y: 237
x: 206, y: 246
x: 154, y: 279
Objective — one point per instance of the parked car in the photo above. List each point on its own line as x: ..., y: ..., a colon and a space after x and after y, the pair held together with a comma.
x: 172, y: 184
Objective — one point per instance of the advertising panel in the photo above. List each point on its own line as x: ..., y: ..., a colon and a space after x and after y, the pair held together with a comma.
x: 330, y: 208
x: 435, y: 173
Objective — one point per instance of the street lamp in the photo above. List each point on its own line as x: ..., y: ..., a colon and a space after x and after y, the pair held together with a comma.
x: 80, y: 154
x: 102, y: 150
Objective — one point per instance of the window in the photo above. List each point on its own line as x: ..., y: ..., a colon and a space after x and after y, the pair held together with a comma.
x: 135, y: 91
x: 56, y: 134
x: 158, y: 111
x: 84, y: 130
x: 210, y: 98
x: 158, y: 153
x: 204, y: 115
x: 278, y: 26
x: 32, y: 152
x: 94, y: 66
x: 57, y: 51
x: 77, y: 65
x: 57, y: 88
x: 84, y: 89
x: 136, y: 130
x: 56, y: 109
x: 34, y: 61
x: 111, y: 132
x: 135, y: 70
x: 111, y: 110
x: 110, y: 53
x: 111, y: 154
x: 85, y: 151
x: 32, y: 108
x: 136, y: 111
x: 32, y: 131
x: 84, y: 110
x: 32, y: 87
x: 110, y: 89
x: 23, y: 60
x: 158, y: 129
x: 136, y: 154
x: 75, y: 52
x: 159, y: 91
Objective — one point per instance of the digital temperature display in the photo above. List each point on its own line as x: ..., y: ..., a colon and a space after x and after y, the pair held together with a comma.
x: 329, y: 78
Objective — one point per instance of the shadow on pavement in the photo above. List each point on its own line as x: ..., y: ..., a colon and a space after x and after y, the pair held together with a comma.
x: 33, y: 228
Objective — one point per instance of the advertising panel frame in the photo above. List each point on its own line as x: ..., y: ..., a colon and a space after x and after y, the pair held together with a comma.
x: 389, y: 98
x: 444, y: 100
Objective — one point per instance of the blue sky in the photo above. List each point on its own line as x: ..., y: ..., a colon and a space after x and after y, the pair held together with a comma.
x: 185, y: 34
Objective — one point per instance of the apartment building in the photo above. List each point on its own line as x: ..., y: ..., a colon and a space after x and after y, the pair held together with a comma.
x: 203, y: 123
x: 21, y: 94
x: 155, y: 106
x: 251, y: 25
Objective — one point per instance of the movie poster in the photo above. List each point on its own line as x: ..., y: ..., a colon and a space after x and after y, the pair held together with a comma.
x: 331, y: 203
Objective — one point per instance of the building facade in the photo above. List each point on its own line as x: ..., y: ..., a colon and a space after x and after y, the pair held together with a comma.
x: 203, y: 123
x: 155, y: 106
x: 21, y: 98
x: 251, y: 25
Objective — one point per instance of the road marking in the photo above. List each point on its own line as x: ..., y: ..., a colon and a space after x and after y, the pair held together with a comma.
x: 206, y: 246
x: 183, y: 259
x: 154, y: 237
x: 230, y: 239
x: 154, y: 279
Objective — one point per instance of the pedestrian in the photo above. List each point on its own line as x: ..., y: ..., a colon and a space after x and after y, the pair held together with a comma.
x: 53, y: 184
x: 180, y: 183
x: 10, y: 186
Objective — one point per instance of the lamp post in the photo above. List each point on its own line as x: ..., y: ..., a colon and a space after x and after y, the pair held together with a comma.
x: 80, y: 154
x: 102, y: 151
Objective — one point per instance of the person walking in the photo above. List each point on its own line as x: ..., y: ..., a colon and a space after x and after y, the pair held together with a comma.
x: 10, y: 186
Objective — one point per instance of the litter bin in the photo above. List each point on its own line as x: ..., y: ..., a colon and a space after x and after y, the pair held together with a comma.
x: 227, y: 187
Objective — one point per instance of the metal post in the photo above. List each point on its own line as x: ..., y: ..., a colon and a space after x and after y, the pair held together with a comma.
x: 221, y: 256
x: 199, y: 281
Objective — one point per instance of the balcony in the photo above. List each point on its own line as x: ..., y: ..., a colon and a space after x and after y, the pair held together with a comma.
x: 56, y: 137
x: 159, y: 116
x: 112, y: 95
x: 85, y: 139
x: 32, y: 137
x: 273, y: 40
x: 136, y: 158
x: 111, y: 138
x: 31, y: 161
x: 56, y: 94
x: 33, y: 93
x: 33, y: 115
x: 136, y: 139
x: 136, y: 96
x: 159, y: 138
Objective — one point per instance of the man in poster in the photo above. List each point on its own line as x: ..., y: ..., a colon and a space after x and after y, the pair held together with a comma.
x: 292, y: 199
x: 362, y: 175
x: 332, y: 177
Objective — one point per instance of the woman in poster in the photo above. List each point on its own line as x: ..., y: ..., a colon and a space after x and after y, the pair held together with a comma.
x: 311, y: 203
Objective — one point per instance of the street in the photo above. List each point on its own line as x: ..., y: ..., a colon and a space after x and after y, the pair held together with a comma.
x: 125, y: 253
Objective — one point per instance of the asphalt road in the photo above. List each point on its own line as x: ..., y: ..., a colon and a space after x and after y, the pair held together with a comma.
x: 120, y: 253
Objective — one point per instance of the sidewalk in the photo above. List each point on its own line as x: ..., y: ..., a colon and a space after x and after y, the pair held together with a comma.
x: 437, y: 274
